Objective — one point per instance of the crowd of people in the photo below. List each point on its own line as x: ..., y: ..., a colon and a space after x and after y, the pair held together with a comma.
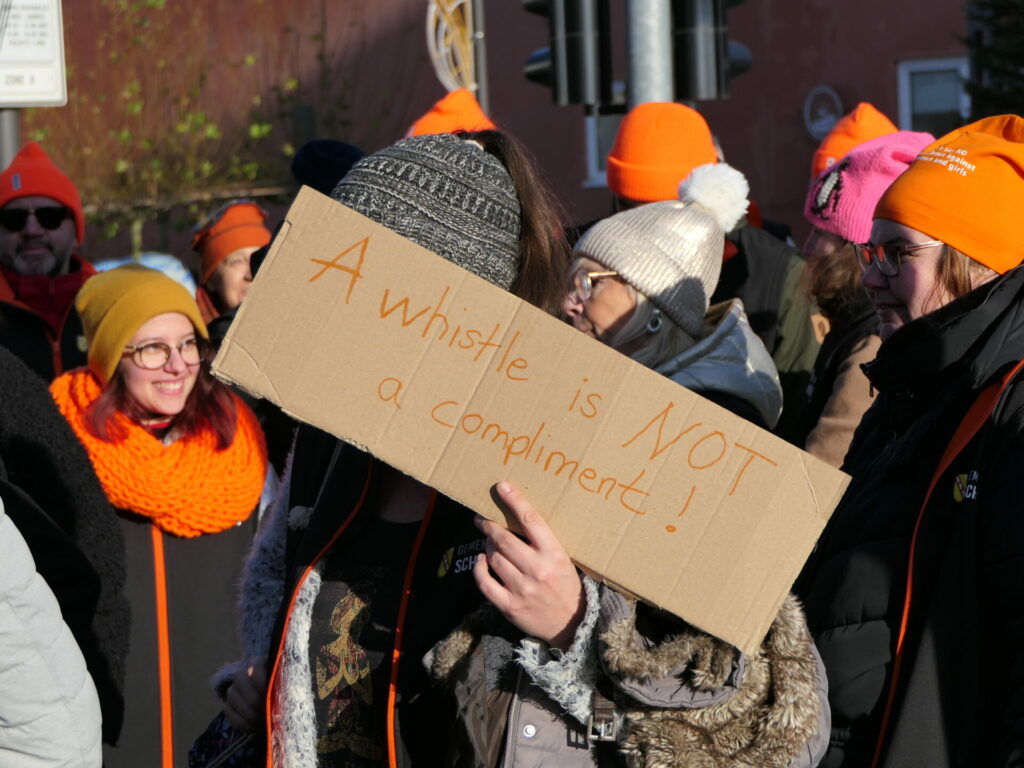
x: 191, y: 578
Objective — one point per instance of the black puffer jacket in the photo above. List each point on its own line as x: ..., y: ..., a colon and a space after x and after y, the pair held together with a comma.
x: 960, y: 695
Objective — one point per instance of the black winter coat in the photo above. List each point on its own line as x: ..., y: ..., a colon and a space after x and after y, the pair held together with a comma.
x: 337, y: 482
x: 960, y: 696
x: 30, y: 337
x: 51, y: 493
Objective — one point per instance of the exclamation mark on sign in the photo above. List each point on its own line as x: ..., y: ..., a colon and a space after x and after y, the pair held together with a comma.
x: 686, y: 506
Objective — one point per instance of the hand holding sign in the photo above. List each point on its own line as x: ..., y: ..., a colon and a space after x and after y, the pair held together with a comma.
x: 540, y: 591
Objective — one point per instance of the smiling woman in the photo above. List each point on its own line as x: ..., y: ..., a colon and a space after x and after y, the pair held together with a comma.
x: 183, y: 460
x: 915, y: 590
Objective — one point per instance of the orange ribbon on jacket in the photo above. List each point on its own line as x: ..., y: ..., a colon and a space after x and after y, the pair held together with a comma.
x: 187, y: 488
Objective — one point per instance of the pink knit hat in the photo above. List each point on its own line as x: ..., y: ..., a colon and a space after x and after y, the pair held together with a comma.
x: 842, y: 199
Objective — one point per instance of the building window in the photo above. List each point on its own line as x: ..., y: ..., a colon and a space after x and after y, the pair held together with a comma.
x: 932, y: 96
x: 599, y: 137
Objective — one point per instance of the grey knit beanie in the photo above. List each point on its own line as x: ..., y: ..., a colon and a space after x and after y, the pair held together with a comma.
x: 671, y: 251
x: 445, y: 194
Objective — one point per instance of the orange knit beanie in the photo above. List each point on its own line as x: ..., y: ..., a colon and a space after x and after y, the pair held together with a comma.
x: 862, y: 124
x: 965, y: 190
x: 240, y: 224
x: 657, y: 146
x: 457, y: 111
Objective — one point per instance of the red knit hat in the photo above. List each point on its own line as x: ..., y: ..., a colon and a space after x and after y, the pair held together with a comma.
x: 862, y: 124
x: 657, y: 146
x: 32, y: 173
x: 237, y: 225
x: 457, y: 111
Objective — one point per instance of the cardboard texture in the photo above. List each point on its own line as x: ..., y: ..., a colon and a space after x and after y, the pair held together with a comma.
x: 362, y: 333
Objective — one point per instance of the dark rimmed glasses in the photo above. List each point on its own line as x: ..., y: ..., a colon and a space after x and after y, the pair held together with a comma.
x: 581, y: 282
x: 153, y: 355
x: 888, y: 257
x: 49, y: 217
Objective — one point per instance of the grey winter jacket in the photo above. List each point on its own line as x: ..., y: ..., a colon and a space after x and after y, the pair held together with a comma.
x: 730, y: 365
x: 49, y: 709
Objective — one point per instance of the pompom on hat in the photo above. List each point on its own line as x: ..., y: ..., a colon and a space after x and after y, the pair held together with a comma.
x: 965, y: 190
x: 445, y: 194
x: 842, y: 199
x: 657, y: 145
x: 33, y: 173
x: 113, y: 305
x: 671, y: 251
x: 864, y: 123
x: 456, y: 111
x: 240, y: 224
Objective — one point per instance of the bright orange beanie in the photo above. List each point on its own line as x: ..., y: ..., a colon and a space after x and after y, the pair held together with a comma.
x: 457, y: 111
x: 657, y: 146
x: 862, y: 124
x: 241, y: 224
x: 965, y: 190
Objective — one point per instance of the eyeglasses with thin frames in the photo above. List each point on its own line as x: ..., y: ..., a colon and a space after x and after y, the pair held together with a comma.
x: 49, y: 217
x: 153, y: 355
x: 581, y: 282
x: 888, y: 258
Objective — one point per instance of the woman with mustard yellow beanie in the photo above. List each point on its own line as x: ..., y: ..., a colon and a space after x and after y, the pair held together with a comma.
x: 183, y: 460
x: 915, y: 593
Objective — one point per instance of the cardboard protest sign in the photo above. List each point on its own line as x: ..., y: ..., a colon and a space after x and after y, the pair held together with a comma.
x: 362, y: 333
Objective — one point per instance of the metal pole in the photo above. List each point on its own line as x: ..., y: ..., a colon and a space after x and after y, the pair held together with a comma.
x: 649, y: 39
x: 10, y: 136
x: 480, y: 56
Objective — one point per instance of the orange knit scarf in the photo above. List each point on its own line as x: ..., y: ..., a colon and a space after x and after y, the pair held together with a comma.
x: 187, y: 488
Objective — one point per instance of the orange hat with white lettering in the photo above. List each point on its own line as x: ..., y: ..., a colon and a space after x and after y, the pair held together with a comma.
x: 965, y: 189
x: 862, y: 124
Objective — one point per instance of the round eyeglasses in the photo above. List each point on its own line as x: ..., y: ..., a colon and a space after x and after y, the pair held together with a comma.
x: 888, y: 257
x: 581, y: 282
x: 153, y: 355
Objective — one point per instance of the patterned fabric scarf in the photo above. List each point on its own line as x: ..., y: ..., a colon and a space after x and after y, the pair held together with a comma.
x: 187, y: 488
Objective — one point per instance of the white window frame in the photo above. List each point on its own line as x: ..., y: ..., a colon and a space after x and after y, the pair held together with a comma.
x: 596, y: 178
x: 910, y: 67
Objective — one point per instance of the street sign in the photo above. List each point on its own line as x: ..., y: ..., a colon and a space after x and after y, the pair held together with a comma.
x: 32, y: 54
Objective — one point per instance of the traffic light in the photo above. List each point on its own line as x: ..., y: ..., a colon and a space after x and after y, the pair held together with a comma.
x: 576, y: 64
x: 704, y: 57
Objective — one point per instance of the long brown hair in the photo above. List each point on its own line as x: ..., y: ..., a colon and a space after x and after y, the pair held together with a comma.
x: 209, y: 405
x: 833, y: 281
x: 543, y: 249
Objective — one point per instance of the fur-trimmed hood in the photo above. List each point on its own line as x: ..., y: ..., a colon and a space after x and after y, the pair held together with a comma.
x: 774, y: 709
x: 688, y: 700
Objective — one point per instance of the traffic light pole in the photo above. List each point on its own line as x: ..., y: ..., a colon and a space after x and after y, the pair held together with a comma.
x: 480, y: 57
x: 10, y: 136
x: 649, y: 43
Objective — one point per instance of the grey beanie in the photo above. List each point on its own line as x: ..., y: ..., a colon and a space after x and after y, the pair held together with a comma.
x: 671, y: 251
x: 445, y: 194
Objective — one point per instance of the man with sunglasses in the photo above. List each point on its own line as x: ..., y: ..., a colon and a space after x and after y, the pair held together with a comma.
x: 41, y: 223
